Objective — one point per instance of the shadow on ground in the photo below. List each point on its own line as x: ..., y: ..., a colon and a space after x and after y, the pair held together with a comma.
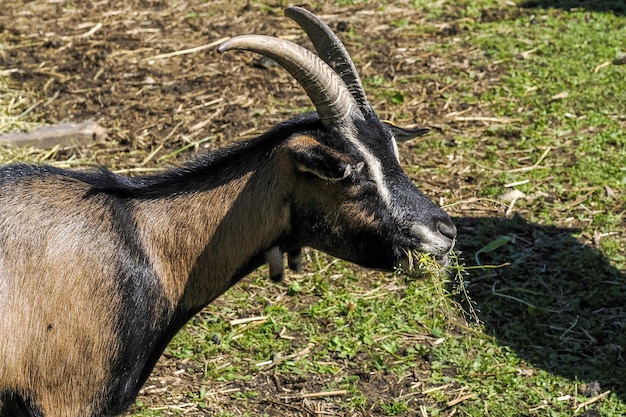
x: 616, y: 6
x: 560, y: 305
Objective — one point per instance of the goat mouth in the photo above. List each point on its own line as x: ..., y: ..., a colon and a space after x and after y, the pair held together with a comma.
x: 411, y: 259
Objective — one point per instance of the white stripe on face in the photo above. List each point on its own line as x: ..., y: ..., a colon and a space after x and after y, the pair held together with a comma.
x: 374, y: 166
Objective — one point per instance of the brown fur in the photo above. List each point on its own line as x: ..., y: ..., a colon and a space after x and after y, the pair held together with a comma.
x: 195, y: 243
x: 55, y: 328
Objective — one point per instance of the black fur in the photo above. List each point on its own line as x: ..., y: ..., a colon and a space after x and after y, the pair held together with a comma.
x: 13, y: 405
x: 141, y: 291
x: 190, y: 177
x: 194, y: 174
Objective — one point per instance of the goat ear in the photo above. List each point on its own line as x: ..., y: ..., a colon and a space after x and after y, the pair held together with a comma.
x: 308, y: 155
x: 402, y: 135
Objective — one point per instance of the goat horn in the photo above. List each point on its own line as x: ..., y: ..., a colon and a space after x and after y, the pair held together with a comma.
x: 327, y: 91
x: 330, y: 48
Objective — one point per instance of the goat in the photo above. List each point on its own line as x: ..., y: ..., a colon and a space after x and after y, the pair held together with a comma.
x: 99, y: 271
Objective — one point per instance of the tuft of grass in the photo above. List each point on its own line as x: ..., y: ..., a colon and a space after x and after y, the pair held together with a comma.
x: 449, y: 281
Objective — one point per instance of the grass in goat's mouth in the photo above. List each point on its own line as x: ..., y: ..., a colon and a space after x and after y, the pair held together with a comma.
x: 449, y: 280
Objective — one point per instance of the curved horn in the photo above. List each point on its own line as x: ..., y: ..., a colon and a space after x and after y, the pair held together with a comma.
x: 330, y: 48
x: 327, y: 91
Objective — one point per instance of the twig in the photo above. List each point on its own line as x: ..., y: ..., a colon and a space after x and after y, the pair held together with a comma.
x: 474, y: 200
x: 460, y: 400
x: 151, y: 155
x: 325, y: 394
x: 491, y: 375
x: 429, y: 390
x: 87, y: 34
x: 31, y: 108
x: 535, y: 165
x: 509, y: 210
x: 7, y: 72
x: 516, y: 183
x: 560, y: 96
x: 457, y: 114
x: 592, y: 400
x: 224, y: 391
x: 247, y: 320
x: 91, y: 31
x: 593, y: 339
x: 579, y: 200
x: 184, y: 148
x: 314, y: 395
x: 206, y: 104
x: 158, y: 148
x: 187, y: 51
x: 526, y: 54
x: 180, y: 407
x: 487, y: 119
x: 602, y: 65
x: 270, y: 364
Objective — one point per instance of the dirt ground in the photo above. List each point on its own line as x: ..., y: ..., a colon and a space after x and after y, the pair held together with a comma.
x: 128, y: 66
x: 148, y: 71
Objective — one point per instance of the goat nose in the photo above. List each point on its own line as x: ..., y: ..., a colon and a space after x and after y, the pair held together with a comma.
x: 447, y: 228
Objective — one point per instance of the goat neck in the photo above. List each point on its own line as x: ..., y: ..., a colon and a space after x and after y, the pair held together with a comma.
x: 210, y: 226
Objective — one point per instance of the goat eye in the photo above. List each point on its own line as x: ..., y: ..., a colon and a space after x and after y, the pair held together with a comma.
x: 361, y: 179
x: 366, y: 183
